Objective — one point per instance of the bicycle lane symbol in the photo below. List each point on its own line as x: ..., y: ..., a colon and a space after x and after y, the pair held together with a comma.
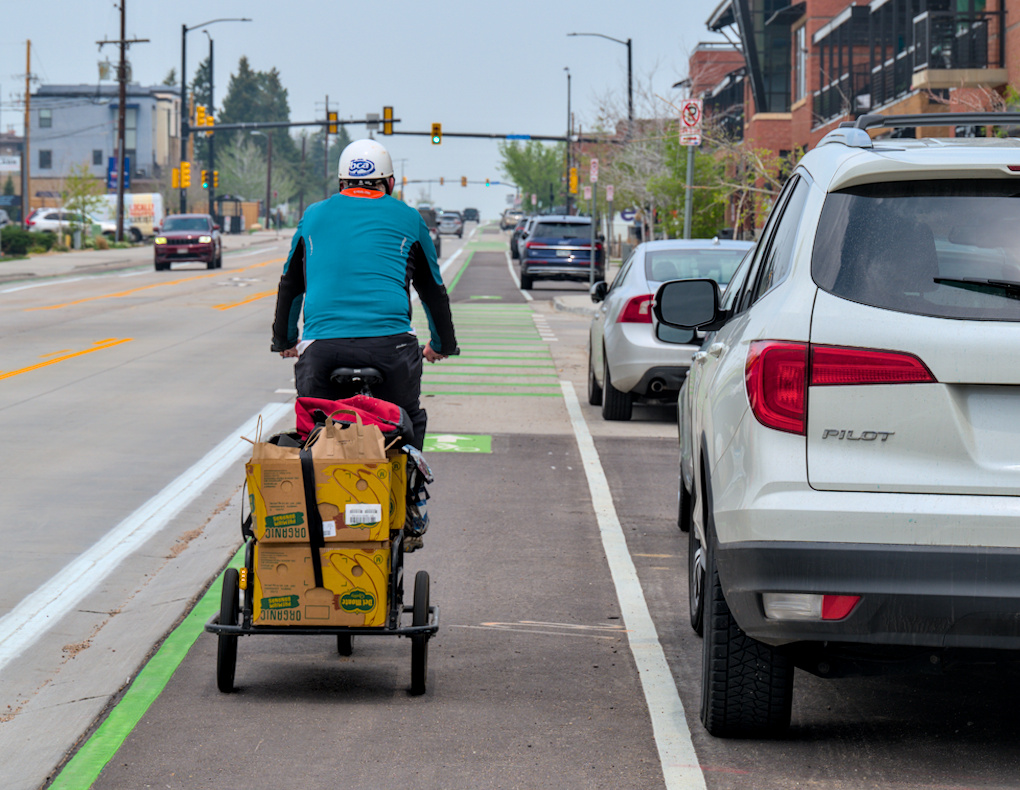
x: 457, y: 443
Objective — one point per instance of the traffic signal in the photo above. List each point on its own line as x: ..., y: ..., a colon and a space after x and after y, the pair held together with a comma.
x: 387, y: 120
x: 332, y: 118
x: 185, y: 175
x: 205, y: 179
x: 215, y: 178
x: 437, y: 133
x: 200, y: 115
x: 573, y: 181
x: 463, y: 181
x: 209, y: 122
x: 486, y: 182
x: 175, y: 178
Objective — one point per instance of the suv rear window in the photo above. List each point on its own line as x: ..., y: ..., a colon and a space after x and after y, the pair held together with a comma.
x: 562, y: 230
x: 940, y: 248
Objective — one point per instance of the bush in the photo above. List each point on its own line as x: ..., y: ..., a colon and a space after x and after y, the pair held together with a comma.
x: 15, y: 241
x: 101, y: 243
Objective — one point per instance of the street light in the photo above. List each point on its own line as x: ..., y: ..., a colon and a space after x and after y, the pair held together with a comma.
x: 630, y: 83
x: 184, y: 86
x: 569, y: 130
x: 269, y: 170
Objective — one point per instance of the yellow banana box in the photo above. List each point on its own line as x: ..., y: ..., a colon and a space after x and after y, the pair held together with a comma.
x: 355, y: 578
x: 357, y: 501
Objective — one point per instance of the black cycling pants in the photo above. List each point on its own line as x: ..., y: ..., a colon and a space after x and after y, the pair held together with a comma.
x: 397, y: 357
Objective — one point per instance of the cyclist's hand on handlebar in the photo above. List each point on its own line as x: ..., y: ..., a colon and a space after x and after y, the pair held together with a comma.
x: 289, y: 352
x: 431, y: 355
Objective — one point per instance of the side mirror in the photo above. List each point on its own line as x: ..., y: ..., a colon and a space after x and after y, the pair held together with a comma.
x: 155, y: 228
x: 688, y: 304
x: 599, y: 290
x: 215, y: 227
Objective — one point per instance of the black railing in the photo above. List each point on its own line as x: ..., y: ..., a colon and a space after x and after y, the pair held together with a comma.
x: 952, y: 40
x: 848, y: 95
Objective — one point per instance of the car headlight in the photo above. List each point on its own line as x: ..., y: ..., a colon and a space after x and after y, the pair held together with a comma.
x: 160, y: 240
x: 204, y: 239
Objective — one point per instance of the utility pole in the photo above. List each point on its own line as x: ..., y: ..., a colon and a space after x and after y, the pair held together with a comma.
x: 121, y: 110
x: 211, y: 138
x: 301, y: 199
x: 325, y: 156
x: 26, y: 159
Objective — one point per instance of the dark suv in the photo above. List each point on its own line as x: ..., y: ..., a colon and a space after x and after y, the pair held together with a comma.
x: 471, y: 215
x: 558, y: 247
x: 429, y: 215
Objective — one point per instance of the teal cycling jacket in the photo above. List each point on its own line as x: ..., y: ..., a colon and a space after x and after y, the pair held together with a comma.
x: 351, y: 264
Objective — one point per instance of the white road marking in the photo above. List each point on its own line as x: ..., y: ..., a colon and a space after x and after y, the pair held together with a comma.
x: 514, y: 277
x: 43, y: 608
x: 679, y: 762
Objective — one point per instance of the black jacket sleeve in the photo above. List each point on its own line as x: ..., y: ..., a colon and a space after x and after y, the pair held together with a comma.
x: 435, y: 301
x: 289, y: 299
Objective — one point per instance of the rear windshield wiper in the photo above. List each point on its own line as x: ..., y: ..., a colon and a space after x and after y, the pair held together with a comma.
x: 1007, y: 288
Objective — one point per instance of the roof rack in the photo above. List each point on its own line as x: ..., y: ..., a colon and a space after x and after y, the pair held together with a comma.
x: 874, y: 120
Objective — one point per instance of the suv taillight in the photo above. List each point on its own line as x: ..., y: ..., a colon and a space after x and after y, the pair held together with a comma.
x: 776, y: 376
x: 637, y: 311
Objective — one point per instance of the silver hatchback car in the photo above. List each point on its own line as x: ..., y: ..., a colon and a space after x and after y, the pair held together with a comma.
x: 628, y: 358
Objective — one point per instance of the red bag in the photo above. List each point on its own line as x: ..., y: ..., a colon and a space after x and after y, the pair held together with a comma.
x: 390, y: 418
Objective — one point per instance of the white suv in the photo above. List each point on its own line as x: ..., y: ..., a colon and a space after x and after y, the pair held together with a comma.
x: 850, y: 428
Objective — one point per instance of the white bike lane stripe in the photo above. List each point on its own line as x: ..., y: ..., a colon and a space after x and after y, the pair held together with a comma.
x: 43, y: 608
x: 680, y: 768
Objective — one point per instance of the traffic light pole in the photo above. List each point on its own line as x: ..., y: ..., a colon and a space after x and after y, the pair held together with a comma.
x: 211, y: 138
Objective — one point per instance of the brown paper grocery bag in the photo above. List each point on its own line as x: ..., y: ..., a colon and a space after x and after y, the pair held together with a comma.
x: 355, y: 442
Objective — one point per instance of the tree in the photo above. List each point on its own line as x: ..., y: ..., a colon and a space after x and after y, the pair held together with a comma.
x: 243, y: 172
x: 9, y: 186
x: 171, y: 77
x: 83, y: 191
x: 201, y: 89
x: 536, y: 168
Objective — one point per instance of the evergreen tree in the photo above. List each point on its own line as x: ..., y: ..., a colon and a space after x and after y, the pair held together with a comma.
x: 201, y: 89
x: 9, y: 186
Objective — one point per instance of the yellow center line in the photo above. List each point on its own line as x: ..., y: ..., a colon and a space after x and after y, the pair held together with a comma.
x: 99, y: 345
x: 154, y: 285
x: 249, y: 300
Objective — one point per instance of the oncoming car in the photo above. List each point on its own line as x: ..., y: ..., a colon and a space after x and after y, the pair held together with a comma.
x: 850, y: 428
x: 188, y: 237
x: 628, y: 358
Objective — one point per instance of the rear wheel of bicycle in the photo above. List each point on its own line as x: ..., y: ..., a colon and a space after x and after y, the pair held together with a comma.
x: 420, y: 642
x: 345, y: 644
x: 226, y: 650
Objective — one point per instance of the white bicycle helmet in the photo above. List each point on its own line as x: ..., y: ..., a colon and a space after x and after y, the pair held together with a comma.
x: 364, y: 160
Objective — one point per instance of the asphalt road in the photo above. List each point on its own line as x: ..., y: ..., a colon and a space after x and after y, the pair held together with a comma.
x: 564, y: 658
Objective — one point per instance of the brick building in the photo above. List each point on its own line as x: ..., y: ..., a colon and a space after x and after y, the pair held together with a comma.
x: 805, y: 67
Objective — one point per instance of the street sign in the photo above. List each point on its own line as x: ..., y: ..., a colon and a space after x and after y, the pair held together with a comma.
x: 518, y: 137
x: 593, y: 174
x: 587, y: 191
x: 690, y: 122
x: 534, y: 199
x: 609, y: 192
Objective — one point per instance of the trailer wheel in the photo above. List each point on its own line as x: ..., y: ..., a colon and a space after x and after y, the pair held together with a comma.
x: 420, y: 642
x: 226, y: 651
x: 345, y: 644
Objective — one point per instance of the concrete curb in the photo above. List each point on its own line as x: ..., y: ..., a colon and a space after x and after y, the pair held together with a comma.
x: 574, y: 305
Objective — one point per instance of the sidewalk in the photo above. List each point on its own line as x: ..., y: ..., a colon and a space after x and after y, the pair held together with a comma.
x: 58, y: 264
x: 580, y: 304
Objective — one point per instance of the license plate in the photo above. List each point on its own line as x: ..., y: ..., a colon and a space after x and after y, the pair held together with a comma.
x: 562, y: 253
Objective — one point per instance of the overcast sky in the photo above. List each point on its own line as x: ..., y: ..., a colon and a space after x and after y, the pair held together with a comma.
x: 472, y: 65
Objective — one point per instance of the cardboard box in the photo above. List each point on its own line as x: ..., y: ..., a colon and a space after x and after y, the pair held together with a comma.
x: 357, y: 500
x: 355, y: 591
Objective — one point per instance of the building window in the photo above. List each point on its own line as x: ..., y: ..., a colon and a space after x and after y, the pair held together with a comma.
x: 97, y: 157
x: 131, y: 129
x: 45, y: 119
x: 45, y: 160
x: 800, y: 63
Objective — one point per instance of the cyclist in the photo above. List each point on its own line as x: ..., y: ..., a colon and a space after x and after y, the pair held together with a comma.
x: 351, y: 264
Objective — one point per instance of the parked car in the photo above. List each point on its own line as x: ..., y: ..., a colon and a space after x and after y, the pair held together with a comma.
x: 188, y: 237
x: 471, y: 215
x: 515, y: 237
x: 55, y: 220
x: 849, y: 464
x: 451, y: 223
x: 510, y: 218
x: 432, y: 222
x: 558, y: 247
x: 629, y: 359
x: 4, y: 218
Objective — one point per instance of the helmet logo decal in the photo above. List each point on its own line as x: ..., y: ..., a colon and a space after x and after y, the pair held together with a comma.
x: 360, y: 167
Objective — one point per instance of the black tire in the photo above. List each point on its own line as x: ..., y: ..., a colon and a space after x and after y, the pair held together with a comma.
x: 211, y: 264
x: 345, y: 644
x: 616, y: 405
x: 526, y: 282
x: 746, y: 685
x: 136, y: 235
x: 226, y: 650
x: 162, y: 267
x: 420, y: 642
x: 594, y: 390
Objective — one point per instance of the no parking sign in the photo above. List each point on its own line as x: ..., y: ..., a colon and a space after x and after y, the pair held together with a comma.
x: 690, y: 122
